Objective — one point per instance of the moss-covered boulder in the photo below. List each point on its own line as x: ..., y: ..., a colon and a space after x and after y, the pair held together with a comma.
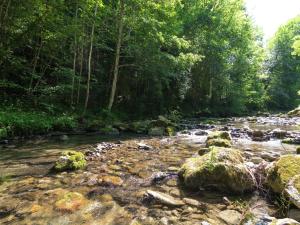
x: 283, y: 177
x: 282, y: 171
x: 219, y: 143
x: 221, y: 169
x: 219, y: 135
x: 70, y: 160
x: 219, y: 139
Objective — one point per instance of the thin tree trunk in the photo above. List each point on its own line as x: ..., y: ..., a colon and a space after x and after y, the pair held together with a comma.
x: 75, y: 57
x: 89, y: 65
x: 80, y: 74
x: 117, y: 58
x: 34, y: 66
x: 210, y: 89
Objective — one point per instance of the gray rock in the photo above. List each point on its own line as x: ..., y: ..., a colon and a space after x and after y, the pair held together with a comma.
x: 292, y: 192
x: 294, y: 214
x: 144, y: 146
x: 164, y: 198
x: 230, y: 217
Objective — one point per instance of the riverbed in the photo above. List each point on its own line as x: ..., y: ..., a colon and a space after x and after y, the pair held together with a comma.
x: 121, y: 169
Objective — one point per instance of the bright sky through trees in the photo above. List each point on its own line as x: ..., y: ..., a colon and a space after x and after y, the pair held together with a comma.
x: 270, y: 14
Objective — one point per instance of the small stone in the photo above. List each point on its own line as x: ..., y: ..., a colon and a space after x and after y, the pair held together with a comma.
x: 191, y: 202
x: 112, y: 180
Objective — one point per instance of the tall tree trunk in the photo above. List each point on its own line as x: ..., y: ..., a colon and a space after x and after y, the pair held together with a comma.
x: 89, y: 64
x: 117, y: 57
x: 75, y: 56
x: 80, y: 74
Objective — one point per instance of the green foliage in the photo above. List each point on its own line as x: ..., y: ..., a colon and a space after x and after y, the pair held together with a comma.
x: 283, y: 66
x: 14, y: 122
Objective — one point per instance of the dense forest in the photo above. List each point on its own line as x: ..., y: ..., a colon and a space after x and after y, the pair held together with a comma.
x: 65, y: 61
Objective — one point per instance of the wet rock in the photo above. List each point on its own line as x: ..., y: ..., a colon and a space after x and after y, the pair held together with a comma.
x: 70, y: 202
x: 203, y: 151
x: 257, y: 160
x: 294, y: 214
x: 70, y: 160
x: 111, y: 180
x: 270, y: 156
x: 278, y: 133
x: 292, y: 141
x: 201, y: 133
x: 258, y: 135
x: 230, y: 217
x: 143, y: 146
x: 163, y: 198
x: 193, y: 202
x: 292, y: 190
x: 267, y: 220
x: 221, y: 168
x: 298, y: 150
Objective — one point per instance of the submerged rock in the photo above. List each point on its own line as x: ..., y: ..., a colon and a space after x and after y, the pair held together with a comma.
x: 70, y: 160
x: 221, y: 168
x: 70, y: 202
x: 163, y: 198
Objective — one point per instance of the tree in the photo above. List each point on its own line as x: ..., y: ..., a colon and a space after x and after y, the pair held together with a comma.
x: 283, y: 67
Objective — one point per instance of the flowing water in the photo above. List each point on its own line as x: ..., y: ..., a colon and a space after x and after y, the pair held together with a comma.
x: 112, y: 186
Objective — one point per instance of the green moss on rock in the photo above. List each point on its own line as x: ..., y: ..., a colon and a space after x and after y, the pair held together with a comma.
x: 282, y: 171
x: 221, y: 168
x: 70, y: 160
x: 218, y: 142
x: 219, y: 135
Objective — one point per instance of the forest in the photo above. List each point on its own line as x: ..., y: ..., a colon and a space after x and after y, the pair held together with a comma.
x: 148, y: 112
x: 137, y: 59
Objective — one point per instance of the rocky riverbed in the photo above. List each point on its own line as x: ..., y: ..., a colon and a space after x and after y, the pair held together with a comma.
x: 135, y: 180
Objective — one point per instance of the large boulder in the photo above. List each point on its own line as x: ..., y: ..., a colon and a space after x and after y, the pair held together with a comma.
x: 70, y: 160
x: 221, y: 168
x: 283, y: 176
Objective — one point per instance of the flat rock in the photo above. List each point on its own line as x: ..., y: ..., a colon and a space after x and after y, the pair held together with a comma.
x: 230, y: 217
x: 164, y: 198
